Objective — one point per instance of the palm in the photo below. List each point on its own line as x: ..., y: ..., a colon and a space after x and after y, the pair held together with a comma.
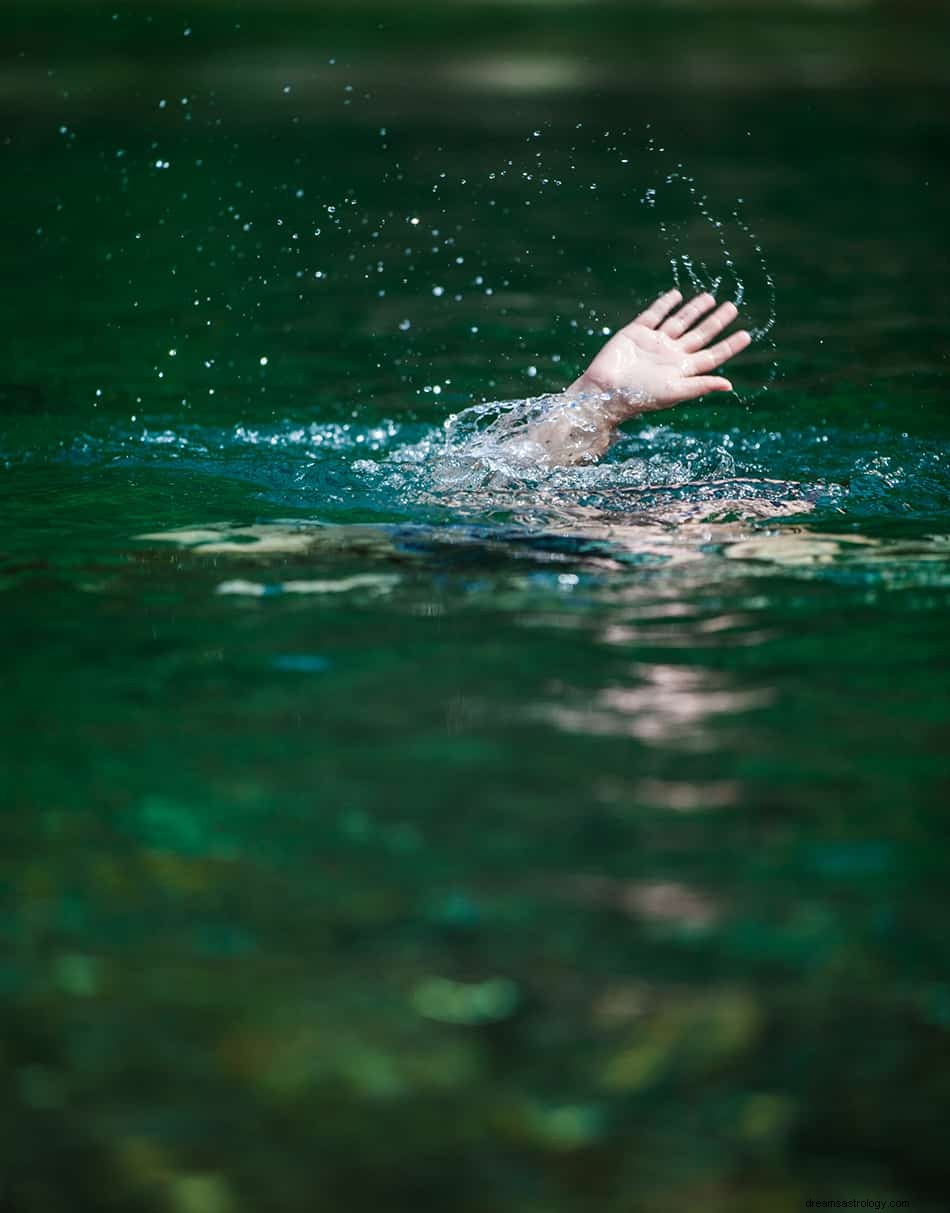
x: 664, y: 356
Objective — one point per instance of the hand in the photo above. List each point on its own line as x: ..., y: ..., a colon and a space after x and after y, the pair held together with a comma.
x: 660, y: 359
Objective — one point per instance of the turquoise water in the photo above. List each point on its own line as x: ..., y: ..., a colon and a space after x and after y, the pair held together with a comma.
x: 386, y: 831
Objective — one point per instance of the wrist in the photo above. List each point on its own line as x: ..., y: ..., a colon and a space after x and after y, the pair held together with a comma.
x: 598, y: 401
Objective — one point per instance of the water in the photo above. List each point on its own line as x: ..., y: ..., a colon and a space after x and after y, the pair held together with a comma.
x: 390, y: 826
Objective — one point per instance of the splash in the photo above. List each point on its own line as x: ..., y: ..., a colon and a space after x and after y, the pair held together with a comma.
x: 468, y: 465
x: 719, y: 273
x: 495, y: 236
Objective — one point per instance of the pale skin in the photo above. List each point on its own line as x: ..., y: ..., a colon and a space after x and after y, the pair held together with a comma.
x: 662, y: 358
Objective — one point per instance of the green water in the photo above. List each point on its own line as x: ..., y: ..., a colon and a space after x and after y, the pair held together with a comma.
x: 379, y: 840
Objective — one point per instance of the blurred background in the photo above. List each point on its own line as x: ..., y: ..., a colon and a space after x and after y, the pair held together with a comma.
x: 507, y: 874
x: 799, y: 115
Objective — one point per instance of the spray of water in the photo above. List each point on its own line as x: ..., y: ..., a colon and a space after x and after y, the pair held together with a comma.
x: 723, y: 277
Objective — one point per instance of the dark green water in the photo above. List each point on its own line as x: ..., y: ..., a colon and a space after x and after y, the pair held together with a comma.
x: 378, y: 842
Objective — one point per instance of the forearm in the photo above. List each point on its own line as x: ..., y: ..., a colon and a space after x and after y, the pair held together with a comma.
x: 577, y: 427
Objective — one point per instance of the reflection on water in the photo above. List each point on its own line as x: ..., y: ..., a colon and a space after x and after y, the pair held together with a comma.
x: 762, y: 544
x: 678, y: 797
x: 660, y: 902
x: 563, y: 839
x: 665, y: 705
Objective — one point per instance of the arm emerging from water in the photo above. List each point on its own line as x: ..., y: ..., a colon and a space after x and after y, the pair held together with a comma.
x: 659, y: 360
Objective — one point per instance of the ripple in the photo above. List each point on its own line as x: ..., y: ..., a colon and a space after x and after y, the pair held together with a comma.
x: 460, y: 470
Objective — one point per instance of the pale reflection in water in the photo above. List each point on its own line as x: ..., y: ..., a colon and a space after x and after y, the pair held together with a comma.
x: 672, y: 795
x: 659, y: 901
x: 723, y: 632
x: 704, y: 545
x: 669, y: 706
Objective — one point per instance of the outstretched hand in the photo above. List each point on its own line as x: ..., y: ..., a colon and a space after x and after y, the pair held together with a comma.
x: 660, y: 359
x: 664, y: 356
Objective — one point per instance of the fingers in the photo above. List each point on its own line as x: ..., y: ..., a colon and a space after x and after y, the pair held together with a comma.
x: 711, y: 327
x: 702, y: 385
x: 716, y: 355
x: 656, y: 311
x: 677, y: 324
